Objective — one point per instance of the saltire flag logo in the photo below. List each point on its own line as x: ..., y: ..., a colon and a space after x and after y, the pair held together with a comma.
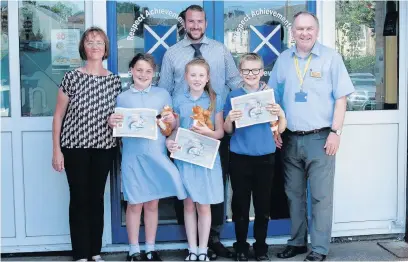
x: 265, y: 40
x: 157, y: 39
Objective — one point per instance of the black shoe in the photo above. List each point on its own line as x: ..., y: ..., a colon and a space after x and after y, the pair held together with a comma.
x: 211, y: 254
x: 291, y: 251
x: 314, y: 256
x: 241, y: 256
x: 220, y: 249
x: 153, y: 256
x: 135, y: 257
x: 264, y: 257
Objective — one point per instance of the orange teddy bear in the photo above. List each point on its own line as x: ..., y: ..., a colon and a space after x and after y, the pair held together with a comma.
x: 165, y: 127
x: 202, y: 117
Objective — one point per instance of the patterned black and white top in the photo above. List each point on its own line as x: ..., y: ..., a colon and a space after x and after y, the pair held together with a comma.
x: 91, y: 100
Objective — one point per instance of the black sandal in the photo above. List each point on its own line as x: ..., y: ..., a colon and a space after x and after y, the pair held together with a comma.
x: 205, y: 258
x: 191, y: 257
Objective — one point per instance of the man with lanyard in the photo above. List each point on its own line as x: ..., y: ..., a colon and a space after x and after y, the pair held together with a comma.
x: 224, y: 76
x: 311, y: 84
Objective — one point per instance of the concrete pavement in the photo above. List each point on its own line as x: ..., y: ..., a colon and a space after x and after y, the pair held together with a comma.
x: 345, y: 251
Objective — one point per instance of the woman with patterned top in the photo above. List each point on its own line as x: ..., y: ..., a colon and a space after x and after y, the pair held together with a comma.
x: 83, y: 144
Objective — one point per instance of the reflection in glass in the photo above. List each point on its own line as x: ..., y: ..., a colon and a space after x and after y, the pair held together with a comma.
x: 241, y: 21
x: 132, y: 16
x: 370, y: 57
x: 4, y: 58
x: 49, y: 35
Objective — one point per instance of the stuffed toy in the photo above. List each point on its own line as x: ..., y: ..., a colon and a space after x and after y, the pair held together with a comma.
x: 165, y: 127
x: 202, y: 117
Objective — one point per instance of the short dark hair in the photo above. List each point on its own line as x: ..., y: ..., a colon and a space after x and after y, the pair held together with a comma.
x: 93, y: 30
x: 145, y: 57
x: 306, y: 13
x: 195, y: 8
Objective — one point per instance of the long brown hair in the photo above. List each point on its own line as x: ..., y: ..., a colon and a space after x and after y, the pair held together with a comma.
x: 207, y: 88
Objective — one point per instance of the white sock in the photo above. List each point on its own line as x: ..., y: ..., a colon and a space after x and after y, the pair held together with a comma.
x: 133, y: 249
x: 193, y: 250
x: 149, y: 247
x: 202, y: 250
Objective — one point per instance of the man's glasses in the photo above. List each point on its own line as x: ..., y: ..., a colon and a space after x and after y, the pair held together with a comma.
x: 254, y: 71
x: 97, y: 44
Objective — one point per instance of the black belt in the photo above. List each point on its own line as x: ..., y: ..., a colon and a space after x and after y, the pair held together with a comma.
x: 303, y: 133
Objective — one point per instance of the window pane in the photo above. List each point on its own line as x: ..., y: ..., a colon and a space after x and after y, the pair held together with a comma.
x: 5, y: 75
x: 49, y: 36
x: 367, y: 38
x: 243, y: 21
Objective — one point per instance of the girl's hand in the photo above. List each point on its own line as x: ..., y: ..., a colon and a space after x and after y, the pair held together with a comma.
x: 235, y: 115
x: 58, y: 161
x: 172, y: 146
x: 274, y: 109
x: 114, y: 119
x: 203, y: 130
x: 168, y: 117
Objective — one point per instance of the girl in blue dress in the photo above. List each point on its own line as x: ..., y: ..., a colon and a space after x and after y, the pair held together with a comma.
x: 204, y: 186
x: 147, y: 172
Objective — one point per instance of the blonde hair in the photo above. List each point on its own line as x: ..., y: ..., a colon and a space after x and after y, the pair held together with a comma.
x: 250, y: 57
x: 207, y: 88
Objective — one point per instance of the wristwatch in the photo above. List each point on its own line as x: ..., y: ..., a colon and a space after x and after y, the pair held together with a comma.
x: 337, y: 132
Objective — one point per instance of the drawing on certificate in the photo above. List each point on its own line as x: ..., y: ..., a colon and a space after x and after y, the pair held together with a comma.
x: 196, y: 148
x: 137, y: 122
x: 253, y: 107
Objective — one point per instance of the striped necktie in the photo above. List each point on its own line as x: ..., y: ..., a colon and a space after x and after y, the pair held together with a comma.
x: 197, y: 52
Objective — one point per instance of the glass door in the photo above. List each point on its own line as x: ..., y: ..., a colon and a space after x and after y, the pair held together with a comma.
x: 135, y: 27
x: 230, y: 22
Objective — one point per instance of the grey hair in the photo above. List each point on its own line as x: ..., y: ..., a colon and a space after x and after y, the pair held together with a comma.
x: 306, y: 13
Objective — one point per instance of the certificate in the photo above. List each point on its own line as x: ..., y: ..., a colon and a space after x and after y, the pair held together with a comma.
x: 253, y: 107
x: 137, y: 122
x: 196, y: 148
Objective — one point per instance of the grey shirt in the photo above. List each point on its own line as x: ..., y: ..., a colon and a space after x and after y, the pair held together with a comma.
x: 224, y: 74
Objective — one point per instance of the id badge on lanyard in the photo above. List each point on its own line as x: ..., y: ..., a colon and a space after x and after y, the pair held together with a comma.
x: 301, y: 96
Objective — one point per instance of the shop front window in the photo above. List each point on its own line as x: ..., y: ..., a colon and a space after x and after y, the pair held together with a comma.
x: 4, y: 58
x: 367, y: 39
x: 49, y: 34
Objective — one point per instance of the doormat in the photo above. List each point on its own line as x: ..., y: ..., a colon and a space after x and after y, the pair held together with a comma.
x: 397, y: 248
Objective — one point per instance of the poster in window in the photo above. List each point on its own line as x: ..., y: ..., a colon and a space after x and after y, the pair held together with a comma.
x: 64, y: 49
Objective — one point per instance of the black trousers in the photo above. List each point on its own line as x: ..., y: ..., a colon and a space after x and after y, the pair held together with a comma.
x: 217, y: 210
x: 251, y: 175
x: 87, y: 170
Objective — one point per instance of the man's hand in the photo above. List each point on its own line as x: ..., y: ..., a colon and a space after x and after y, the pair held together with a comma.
x: 332, y: 144
x: 278, y: 140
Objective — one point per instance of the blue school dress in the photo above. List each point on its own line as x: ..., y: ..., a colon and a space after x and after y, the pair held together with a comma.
x: 147, y: 171
x: 203, y: 185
